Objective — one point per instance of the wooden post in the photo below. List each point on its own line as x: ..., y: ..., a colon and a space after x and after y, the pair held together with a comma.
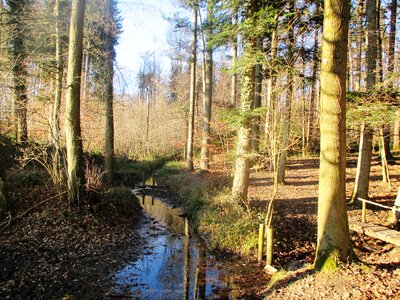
x: 270, y: 245
x: 260, y: 242
x: 364, y: 212
x: 187, y: 233
x: 143, y: 199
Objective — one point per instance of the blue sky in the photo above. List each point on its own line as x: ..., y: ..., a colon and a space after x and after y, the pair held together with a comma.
x: 144, y: 29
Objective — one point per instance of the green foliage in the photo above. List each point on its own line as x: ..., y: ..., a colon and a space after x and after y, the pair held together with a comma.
x: 123, y: 200
x: 207, y: 203
x: 375, y: 107
x: 170, y: 168
x: 8, y: 154
x: 230, y: 227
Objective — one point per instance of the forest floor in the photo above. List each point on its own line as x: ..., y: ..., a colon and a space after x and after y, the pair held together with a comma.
x: 54, y: 251
x: 295, y: 223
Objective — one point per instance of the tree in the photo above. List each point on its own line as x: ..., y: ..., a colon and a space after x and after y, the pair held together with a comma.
x: 193, y: 62
x: 361, y: 185
x: 111, y: 32
x: 208, y: 82
x: 333, y: 231
x: 75, y: 164
x: 17, y: 52
x: 234, y: 55
x: 241, y: 170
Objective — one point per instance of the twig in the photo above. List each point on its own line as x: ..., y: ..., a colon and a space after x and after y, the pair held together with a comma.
x: 7, y: 223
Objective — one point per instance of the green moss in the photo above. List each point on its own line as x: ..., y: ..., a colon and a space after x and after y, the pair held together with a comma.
x: 278, y: 276
x: 327, y: 262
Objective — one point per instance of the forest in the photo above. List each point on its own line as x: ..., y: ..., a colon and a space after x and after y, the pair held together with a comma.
x: 259, y: 162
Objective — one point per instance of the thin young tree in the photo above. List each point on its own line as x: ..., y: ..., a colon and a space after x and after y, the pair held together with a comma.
x: 75, y: 164
x: 208, y: 82
x: 193, y: 61
x: 333, y: 230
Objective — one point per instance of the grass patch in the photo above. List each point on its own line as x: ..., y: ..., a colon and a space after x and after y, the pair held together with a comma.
x: 207, y: 202
x: 130, y: 172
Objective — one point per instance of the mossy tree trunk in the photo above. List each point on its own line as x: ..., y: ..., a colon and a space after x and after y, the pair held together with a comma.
x: 333, y: 230
x: 109, y: 93
x: 242, y: 163
x: 75, y: 163
x: 193, y: 61
x: 17, y: 51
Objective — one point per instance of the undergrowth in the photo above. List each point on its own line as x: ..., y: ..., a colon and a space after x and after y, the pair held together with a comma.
x: 207, y: 202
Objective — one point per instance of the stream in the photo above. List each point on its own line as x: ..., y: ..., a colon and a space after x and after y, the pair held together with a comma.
x: 172, y: 265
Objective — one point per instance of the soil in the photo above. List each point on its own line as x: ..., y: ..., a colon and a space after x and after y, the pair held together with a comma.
x: 377, y: 276
x: 59, y: 252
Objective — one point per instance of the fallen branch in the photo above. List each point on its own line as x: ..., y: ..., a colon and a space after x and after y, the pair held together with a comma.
x: 7, y: 223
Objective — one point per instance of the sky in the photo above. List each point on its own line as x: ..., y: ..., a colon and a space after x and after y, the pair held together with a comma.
x: 144, y: 29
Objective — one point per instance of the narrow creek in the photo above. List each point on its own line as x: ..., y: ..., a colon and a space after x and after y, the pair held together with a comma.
x: 172, y: 265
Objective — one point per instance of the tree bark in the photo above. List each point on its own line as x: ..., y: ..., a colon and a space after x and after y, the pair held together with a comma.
x: 361, y: 185
x: 242, y: 171
x: 392, y: 40
x: 18, y: 61
x: 193, y: 61
x: 372, y: 43
x: 55, y: 135
x: 288, y: 104
x: 234, y: 58
x: 76, y: 174
x: 313, y: 93
x: 360, y: 34
x: 208, y: 83
x: 109, y: 94
x: 255, y: 143
x: 333, y: 230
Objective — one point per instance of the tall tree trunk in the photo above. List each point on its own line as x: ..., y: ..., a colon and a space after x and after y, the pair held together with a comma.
x: 55, y: 135
x: 361, y: 185
x: 109, y: 94
x: 208, y: 82
x: 396, y: 137
x: 379, y: 61
x: 242, y: 171
x: 234, y: 57
x: 391, y: 62
x: 333, y: 230
x: 372, y: 43
x: 193, y: 61
x: 392, y: 39
x: 270, y: 132
x: 255, y: 143
x: 313, y: 93
x: 76, y: 174
x: 18, y: 56
x: 288, y: 103
x: 360, y: 34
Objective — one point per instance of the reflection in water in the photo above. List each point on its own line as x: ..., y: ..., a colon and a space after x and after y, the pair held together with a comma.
x: 173, y: 266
